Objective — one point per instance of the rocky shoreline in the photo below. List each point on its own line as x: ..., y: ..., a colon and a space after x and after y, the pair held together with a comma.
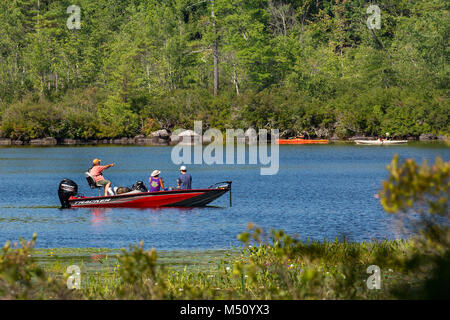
x: 163, y: 138
x: 49, y: 141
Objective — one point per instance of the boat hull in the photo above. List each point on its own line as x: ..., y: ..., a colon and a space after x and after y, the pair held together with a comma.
x: 380, y: 143
x: 174, y: 198
x: 301, y: 141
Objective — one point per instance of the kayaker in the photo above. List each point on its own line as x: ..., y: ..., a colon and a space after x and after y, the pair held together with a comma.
x: 185, y: 179
x: 387, y: 136
x: 96, y: 172
x: 156, y: 183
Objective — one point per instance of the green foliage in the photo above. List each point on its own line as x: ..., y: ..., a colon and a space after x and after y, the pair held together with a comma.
x: 137, y: 270
x: 420, y: 189
x: 117, y: 119
x: 292, y: 269
x: 75, y: 116
x: 274, y: 266
x: 22, y: 278
x: 308, y: 65
x: 283, y: 269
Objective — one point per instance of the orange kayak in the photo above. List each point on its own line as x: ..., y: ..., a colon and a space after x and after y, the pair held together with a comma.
x: 301, y: 141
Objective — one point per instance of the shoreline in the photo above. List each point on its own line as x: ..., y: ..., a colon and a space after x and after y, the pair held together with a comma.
x: 288, y: 271
x: 155, y: 141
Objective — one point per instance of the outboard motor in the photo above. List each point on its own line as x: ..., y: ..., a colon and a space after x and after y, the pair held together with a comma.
x: 67, y: 188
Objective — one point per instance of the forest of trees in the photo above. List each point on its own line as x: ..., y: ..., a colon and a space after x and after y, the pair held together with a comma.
x: 135, y: 66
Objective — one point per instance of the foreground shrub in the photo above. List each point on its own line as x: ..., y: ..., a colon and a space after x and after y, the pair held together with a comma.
x: 420, y: 195
x: 22, y: 278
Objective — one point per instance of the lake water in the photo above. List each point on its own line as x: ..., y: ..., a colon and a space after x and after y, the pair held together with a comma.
x: 320, y: 192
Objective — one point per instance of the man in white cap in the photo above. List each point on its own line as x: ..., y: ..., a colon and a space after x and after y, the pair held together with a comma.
x: 185, y: 179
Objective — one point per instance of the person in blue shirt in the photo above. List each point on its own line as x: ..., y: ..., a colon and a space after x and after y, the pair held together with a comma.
x: 184, y: 180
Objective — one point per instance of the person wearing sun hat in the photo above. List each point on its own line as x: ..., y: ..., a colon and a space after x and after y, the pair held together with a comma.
x: 96, y: 172
x: 185, y: 179
x: 156, y: 183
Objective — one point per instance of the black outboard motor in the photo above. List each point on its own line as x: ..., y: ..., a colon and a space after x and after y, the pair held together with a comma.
x: 67, y: 188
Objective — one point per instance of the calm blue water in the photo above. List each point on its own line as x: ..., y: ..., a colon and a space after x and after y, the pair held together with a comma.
x: 323, y: 191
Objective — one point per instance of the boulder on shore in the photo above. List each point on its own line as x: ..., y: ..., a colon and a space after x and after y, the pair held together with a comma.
x: 251, y: 136
x: 188, y: 133
x: 361, y: 138
x: 427, y: 137
x: 185, y: 137
x: 163, y: 134
x: 123, y: 140
x: 5, y: 142
x: 152, y: 141
x: 71, y: 141
x: 322, y: 133
x: 335, y: 137
x: 49, y: 141
x: 139, y: 139
x: 174, y: 138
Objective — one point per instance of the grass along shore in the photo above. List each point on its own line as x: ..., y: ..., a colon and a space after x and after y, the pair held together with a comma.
x: 306, y: 270
x: 284, y: 268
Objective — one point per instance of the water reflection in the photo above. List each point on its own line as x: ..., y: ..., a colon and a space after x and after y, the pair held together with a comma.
x: 98, y: 217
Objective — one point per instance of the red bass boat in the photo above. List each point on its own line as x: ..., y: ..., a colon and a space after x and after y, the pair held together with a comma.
x: 69, y: 197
